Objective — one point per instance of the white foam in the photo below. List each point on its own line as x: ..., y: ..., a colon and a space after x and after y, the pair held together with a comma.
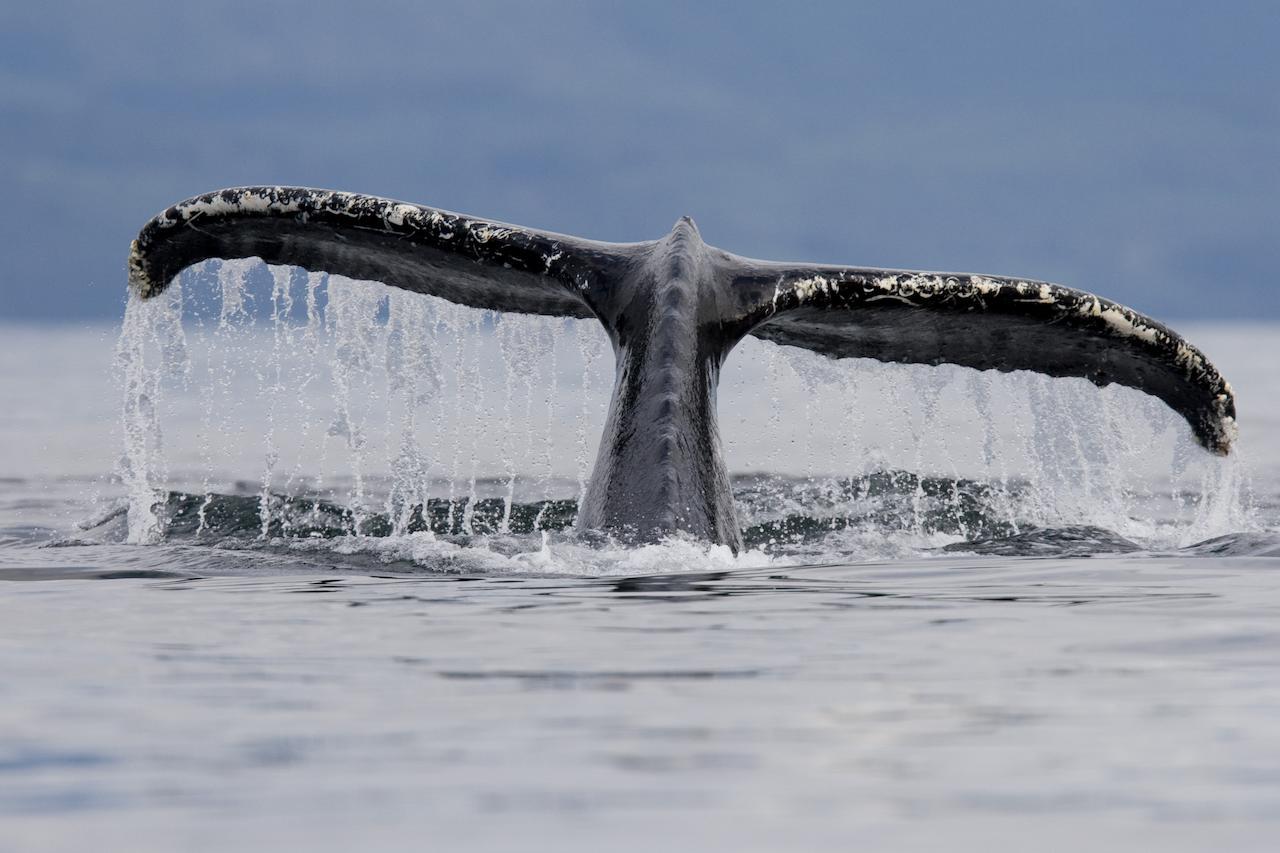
x: 558, y: 555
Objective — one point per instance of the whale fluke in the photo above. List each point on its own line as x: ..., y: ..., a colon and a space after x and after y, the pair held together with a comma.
x: 474, y: 262
x: 673, y: 309
x: 987, y: 323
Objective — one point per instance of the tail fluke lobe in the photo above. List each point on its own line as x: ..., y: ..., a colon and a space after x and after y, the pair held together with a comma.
x: 987, y: 323
x: 474, y: 262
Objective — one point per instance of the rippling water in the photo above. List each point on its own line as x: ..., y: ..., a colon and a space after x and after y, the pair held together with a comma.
x: 969, y: 659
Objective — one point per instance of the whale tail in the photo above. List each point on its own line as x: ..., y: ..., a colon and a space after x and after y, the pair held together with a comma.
x: 674, y: 308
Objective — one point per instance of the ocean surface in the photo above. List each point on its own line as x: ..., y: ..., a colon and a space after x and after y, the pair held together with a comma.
x: 280, y: 575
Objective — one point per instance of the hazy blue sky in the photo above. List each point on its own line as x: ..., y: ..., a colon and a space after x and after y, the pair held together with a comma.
x: 1132, y: 149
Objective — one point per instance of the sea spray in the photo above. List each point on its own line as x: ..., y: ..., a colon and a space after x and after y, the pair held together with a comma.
x: 429, y: 399
x: 352, y: 316
x: 1048, y: 452
x: 151, y: 349
x: 524, y: 344
x: 550, y: 391
x: 477, y: 422
x: 271, y: 384
x: 307, y: 361
x: 413, y: 379
x: 591, y: 346
x: 224, y: 416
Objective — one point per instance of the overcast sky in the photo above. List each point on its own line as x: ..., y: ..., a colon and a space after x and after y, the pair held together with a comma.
x: 1132, y: 149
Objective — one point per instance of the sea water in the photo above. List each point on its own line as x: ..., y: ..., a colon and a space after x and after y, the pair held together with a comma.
x: 291, y: 564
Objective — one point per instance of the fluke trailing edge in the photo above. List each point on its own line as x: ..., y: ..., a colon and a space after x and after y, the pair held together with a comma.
x: 673, y: 309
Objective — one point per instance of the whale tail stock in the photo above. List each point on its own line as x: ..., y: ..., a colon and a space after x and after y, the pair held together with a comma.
x: 673, y: 309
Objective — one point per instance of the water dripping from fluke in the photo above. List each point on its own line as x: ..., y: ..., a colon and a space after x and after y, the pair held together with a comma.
x: 466, y: 412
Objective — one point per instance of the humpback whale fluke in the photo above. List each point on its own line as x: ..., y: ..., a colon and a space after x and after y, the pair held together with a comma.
x: 673, y: 309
